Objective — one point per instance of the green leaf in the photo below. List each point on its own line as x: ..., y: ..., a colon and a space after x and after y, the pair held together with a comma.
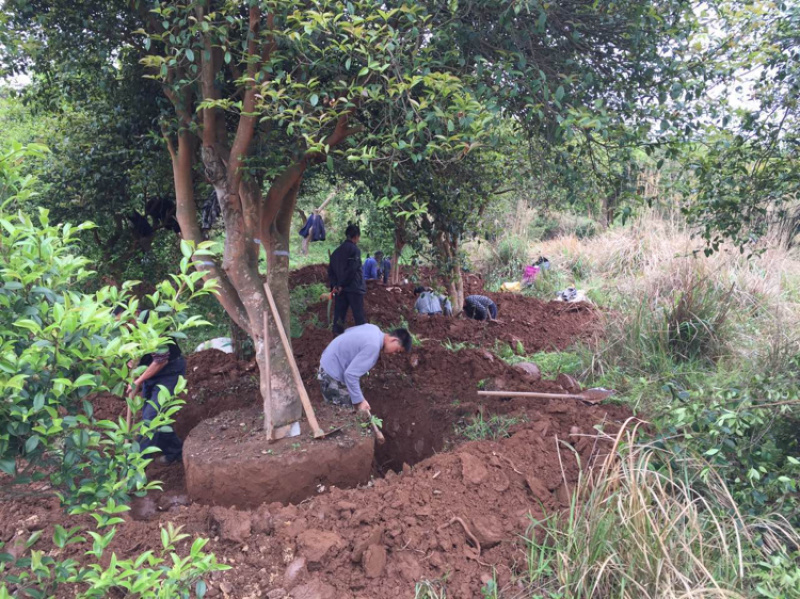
x: 8, y: 465
x: 186, y: 249
x: 314, y: 99
x: 227, y: 57
x: 31, y: 444
x: 190, y: 54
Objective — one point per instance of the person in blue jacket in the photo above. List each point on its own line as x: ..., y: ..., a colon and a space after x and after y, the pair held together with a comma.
x: 370, y: 268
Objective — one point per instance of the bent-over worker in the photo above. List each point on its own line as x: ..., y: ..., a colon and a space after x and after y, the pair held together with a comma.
x: 350, y: 356
x: 430, y: 302
x: 480, y: 307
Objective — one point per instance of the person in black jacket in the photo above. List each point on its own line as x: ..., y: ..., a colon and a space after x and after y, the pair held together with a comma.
x: 164, y: 368
x: 347, y: 281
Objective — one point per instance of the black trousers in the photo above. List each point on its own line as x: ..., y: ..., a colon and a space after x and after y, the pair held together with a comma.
x: 167, y: 441
x: 345, y: 301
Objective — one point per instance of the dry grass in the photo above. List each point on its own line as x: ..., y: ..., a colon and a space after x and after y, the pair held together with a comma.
x: 638, y: 529
x: 740, y: 308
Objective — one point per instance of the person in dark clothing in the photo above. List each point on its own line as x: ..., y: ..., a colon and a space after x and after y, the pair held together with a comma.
x: 163, y: 369
x: 346, y: 280
x: 480, y: 307
x: 384, y: 267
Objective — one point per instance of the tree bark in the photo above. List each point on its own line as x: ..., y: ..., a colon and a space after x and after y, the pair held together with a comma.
x: 399, y: 244
x: 240, y: 341
x: 448, y: 251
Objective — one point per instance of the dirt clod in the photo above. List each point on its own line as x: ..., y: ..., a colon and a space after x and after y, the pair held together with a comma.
x: 472, y: 469
x: 374, y: 561
x: 531, y: 369
x: 315, y: 589
x: 315, y: 544
x: 231, y: 525
x: 489, y: 530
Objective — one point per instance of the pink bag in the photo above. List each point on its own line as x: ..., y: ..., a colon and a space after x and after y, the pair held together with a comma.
x: 530, y: 274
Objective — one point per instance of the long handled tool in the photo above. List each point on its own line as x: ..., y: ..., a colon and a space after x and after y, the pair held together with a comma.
x: 378, y: 434
x: 590, y: 396
x: 268, y: 384
x: 298, y: 380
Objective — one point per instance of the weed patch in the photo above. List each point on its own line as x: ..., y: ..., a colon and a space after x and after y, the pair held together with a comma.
x: 497, y: 426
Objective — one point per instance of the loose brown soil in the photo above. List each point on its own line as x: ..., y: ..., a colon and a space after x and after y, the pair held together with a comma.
x: 437, y: 506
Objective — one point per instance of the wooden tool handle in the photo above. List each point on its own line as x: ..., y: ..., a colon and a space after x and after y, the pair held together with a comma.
x: 530, y: 394
x: 378, y: 434
x: 298, y: 380
x: 267, y: 385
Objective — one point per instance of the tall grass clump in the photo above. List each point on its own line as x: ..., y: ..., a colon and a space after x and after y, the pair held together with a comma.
x: 643, y: 525
x: 672, y: 310
x: 508, y: 260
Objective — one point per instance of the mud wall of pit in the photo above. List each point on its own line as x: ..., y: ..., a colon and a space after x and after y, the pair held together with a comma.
x: 232, y: 470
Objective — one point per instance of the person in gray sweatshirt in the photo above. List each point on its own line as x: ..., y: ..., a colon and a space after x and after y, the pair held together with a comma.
x: 350, y: 356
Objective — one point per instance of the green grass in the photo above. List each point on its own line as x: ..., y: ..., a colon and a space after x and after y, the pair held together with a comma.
x: 478, y: 428
x: 639, y: 528
x: 300, y: 298
x: 431, y: 589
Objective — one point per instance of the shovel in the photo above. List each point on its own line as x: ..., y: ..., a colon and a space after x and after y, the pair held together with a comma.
x: 589, y: 397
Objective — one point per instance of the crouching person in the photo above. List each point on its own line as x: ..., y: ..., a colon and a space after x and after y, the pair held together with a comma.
x: 480, y: 307
x: 350, y: 356
x: 163, y: 369
x: 430, y: 302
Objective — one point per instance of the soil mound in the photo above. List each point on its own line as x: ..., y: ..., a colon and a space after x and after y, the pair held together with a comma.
x: 536, y: 325
x: 308, y: 275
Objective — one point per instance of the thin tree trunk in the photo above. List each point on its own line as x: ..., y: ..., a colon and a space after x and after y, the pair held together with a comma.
x: 399, y: 244
x: 448, y: 250
x: 243, y: 348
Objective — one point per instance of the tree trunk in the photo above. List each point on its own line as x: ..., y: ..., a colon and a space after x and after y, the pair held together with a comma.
x: 307, y: 241
x: 448, y: 251
x: 399, y: 244
x: 243, y: 348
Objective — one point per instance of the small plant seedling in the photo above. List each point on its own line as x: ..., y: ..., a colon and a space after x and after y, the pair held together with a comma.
x: 295, y: 445
x: 373, y: 420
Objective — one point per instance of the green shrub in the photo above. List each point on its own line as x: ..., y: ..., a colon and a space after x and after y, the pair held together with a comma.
x: 749, y: 440
x: 300, y: 298
x: 58, y: 344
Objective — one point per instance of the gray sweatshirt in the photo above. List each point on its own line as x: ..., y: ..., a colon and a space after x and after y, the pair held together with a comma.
x: 351, y: 355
